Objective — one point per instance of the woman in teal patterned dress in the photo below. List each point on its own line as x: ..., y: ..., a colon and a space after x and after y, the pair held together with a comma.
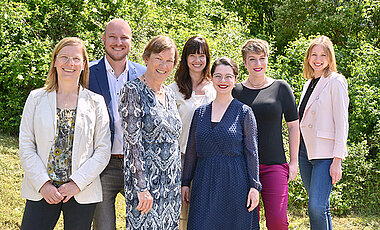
x: 151, y: 126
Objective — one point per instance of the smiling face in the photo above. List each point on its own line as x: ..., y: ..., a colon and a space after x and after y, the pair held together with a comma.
x: 117, y: 40
x: 69, y: 63
x: 318, y: 60
x: 256, y: 64
x: 160, y: 65
x: 196, y: 63
x: 223, y: 79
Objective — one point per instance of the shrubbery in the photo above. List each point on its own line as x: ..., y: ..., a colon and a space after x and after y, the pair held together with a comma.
x: 30, y: 29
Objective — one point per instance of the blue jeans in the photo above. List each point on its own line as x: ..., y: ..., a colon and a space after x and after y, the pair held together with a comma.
x: 112, y: 179
x: 316, y: 179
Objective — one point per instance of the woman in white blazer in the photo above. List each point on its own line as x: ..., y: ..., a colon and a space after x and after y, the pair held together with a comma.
x: 323, y: 115
x: 64, y: 144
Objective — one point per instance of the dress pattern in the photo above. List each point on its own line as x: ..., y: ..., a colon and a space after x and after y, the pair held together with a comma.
x: 152, y: 156
x: 59, y: 162
x: 222, y: 163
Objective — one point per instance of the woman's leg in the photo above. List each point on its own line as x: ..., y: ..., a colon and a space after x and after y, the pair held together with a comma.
x: 78, y: 216
x: 320, y: 189
x: 316, y: 178
x: 40, y: 215
x: 274, y: 180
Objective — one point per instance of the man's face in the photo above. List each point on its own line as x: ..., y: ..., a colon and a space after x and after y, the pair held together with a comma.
x: 117, y: 40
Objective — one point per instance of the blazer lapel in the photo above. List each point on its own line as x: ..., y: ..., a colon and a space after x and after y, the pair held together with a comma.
x: 101, y: 77
x: 53, y: 108
x: 317, y: 91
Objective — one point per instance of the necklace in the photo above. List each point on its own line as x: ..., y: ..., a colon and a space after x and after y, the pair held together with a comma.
x: 261, y: 84
x: 158, y: 92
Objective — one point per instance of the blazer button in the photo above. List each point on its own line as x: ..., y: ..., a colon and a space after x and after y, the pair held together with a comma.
x: 313, y: 112
x: 310, y: 126
x: 317, y: 98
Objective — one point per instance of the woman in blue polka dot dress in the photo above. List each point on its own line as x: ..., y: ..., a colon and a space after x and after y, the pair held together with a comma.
x: 222, y: 159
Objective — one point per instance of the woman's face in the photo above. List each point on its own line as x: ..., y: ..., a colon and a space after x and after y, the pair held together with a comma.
x: 223, y: 79
x: 196, y: 63
x: 160, y: 65
x: 69, y: 63
x: 256, y: 64
x: 318, y: 60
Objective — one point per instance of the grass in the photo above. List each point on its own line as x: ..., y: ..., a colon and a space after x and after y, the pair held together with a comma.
x: 12, y: 205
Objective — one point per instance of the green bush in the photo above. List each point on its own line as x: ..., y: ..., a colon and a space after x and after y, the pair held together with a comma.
x: 29, y: 29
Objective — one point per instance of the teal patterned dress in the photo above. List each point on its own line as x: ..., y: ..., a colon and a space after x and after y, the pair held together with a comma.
x: 59, y: 162
x: 152, y: 156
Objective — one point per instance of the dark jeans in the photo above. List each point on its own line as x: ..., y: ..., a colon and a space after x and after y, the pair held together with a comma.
x: 112, y: 179
x: 39, y: 215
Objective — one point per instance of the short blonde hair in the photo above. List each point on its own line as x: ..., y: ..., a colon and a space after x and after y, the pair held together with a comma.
x: 256, y: 46
x: 325, y: 42
x: 159, y: 44
x: 51, y: 82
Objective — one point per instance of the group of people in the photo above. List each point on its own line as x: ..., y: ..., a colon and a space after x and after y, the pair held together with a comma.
x: 192, y: 155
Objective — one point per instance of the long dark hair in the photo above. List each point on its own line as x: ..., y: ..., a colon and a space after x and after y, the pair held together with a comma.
x: 182, y: 76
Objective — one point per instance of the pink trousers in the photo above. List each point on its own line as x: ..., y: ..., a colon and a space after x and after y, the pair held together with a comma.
x: 274, y: 193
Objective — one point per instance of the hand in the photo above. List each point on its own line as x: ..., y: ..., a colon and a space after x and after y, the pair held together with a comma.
x: 185, y: 194
x: 50, y: 193
x: 293, y: 170
x: 68, y: 190
x: 145, y: 201
x: 253, y: 199
x: 336, y: 170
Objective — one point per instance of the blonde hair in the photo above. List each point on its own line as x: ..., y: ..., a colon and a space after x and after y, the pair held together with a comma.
x: 325, y: 42
x: 51, y: 82
x: 256, y: 46
x: 158, y: 44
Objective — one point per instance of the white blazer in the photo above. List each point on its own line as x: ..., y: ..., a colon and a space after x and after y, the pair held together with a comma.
x: 91, y: 145
x: 324, y: 125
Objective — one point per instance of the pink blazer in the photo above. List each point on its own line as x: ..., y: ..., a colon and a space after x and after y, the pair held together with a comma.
x: 324, y: 125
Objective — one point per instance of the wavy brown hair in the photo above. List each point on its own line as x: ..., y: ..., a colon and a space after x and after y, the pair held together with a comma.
x: 51, y: 82
x: 182, y: 75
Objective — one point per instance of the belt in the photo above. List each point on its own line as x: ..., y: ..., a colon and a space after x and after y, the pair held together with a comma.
x: 117, y: 156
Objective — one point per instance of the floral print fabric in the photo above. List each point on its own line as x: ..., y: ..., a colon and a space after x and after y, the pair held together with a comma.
x: 59, y: 162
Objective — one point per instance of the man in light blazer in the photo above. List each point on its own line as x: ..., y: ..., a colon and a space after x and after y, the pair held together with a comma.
x: 107, y: 76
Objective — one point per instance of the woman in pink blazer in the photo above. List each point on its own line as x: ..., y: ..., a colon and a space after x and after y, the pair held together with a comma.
x: 323, y: 115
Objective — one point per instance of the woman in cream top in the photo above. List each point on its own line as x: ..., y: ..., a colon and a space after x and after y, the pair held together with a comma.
x: 192, y: 88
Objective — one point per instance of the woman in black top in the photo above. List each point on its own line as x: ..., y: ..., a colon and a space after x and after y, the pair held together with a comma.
x: 270, y: 99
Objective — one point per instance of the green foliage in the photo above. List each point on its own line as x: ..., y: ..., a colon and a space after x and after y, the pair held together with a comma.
x: 29, y: 29
x: 360, y: 183
x: 337, y: 19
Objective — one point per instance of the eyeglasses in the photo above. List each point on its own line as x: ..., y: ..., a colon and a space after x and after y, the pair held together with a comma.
x: 65, y: 59
x: 219, y: 77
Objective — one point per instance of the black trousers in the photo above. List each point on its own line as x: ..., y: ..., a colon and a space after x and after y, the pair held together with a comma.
x: 39, y: 215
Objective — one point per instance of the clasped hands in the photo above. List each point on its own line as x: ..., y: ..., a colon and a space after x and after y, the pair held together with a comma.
x: 54, y: 195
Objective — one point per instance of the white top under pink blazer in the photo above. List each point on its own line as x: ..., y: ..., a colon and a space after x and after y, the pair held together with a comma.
x: 91, y: 145
x: 324, y: 125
